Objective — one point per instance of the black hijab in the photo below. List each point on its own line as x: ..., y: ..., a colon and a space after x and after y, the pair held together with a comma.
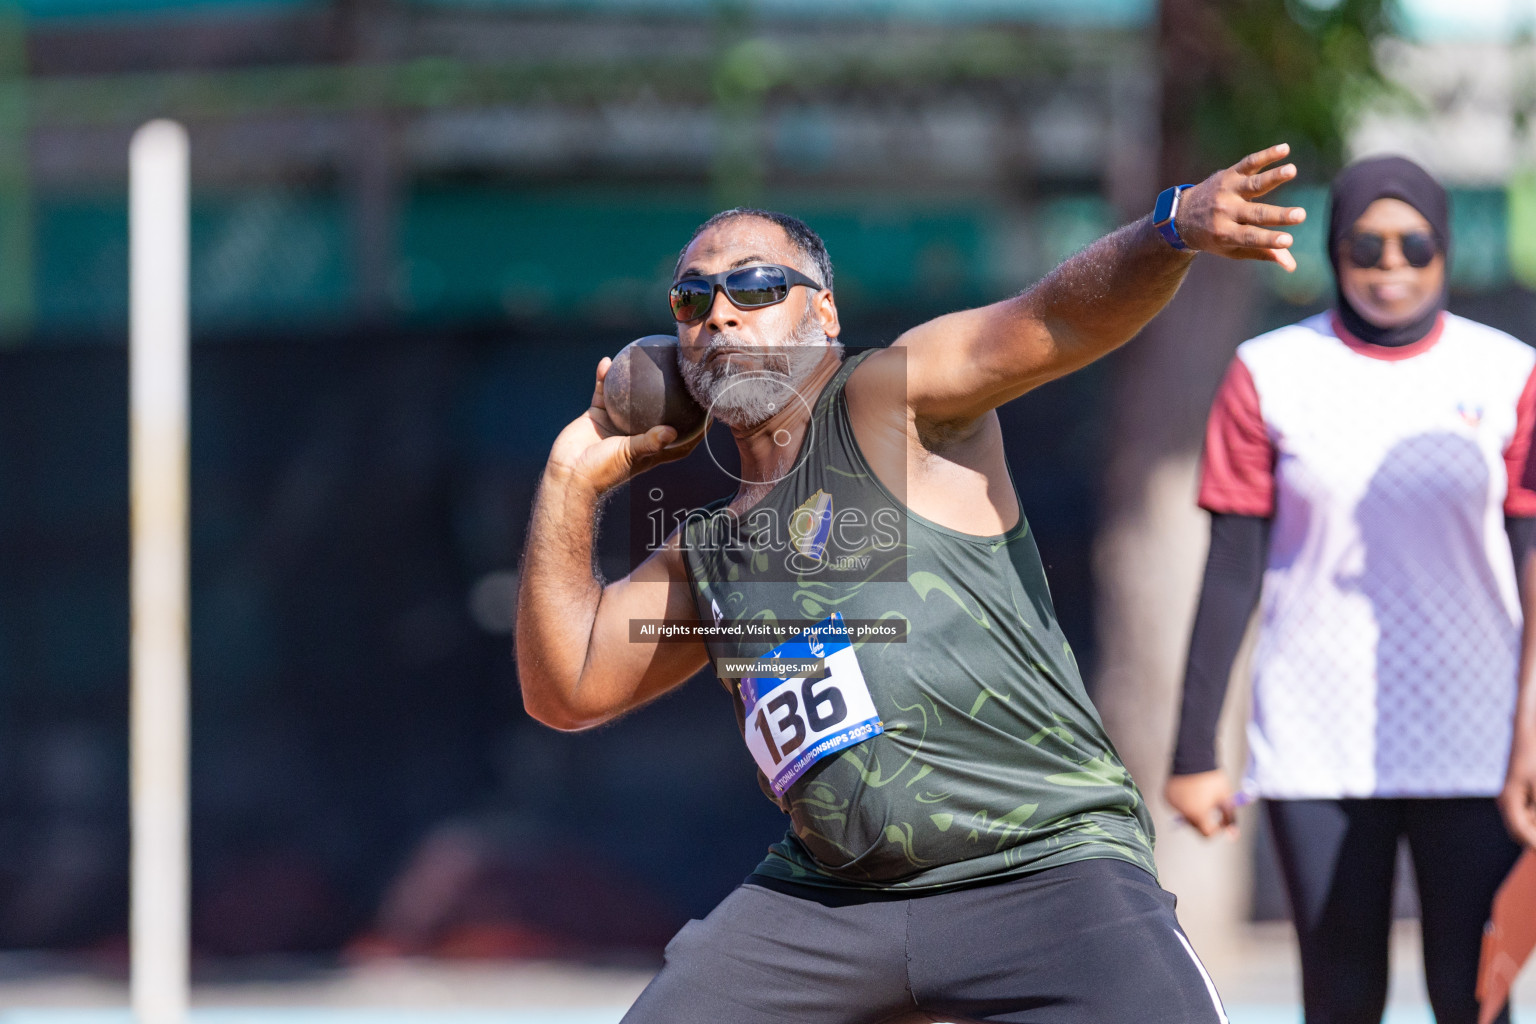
x: 1358, y: 186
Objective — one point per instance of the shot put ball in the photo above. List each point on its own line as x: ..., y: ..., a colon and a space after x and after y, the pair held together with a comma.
x: 644, y: 388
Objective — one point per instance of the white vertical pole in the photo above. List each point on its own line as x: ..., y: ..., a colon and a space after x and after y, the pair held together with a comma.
x: 157, y: 375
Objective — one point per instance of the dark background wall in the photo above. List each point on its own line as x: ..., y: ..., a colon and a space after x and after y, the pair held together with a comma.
x: 358, y: 506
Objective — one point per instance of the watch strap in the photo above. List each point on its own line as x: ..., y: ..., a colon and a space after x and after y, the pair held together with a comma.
x: 1168, y: 200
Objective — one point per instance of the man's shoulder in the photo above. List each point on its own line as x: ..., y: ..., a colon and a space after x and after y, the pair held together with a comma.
x: 863, y: 362
x: 872, y: 374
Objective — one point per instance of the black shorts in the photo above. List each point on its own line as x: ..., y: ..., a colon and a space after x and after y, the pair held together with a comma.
x: 1095, y: 942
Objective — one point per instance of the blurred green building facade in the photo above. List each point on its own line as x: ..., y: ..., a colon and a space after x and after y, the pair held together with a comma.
x: 483, y: 211
x: 544, y: 179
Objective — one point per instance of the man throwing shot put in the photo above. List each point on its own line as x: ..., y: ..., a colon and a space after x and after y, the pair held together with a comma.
x: 965, y: 844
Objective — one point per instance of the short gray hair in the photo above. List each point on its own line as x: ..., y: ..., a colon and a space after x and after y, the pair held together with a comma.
x: 807, y: 242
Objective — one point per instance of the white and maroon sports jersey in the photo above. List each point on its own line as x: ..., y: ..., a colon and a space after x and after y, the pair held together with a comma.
x: 1389, y: 622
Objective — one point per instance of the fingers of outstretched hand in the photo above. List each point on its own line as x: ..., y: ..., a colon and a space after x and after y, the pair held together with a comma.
x: 1247, y: 237
x: 1242, y: 230
x: 1221, y: 216
x: 1280, y: 256
x: 1267, y: 214
x: 1257, y: 161
x: 1251, y: 186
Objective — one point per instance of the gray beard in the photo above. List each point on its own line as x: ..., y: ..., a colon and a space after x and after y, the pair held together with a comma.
x: 746, y: 397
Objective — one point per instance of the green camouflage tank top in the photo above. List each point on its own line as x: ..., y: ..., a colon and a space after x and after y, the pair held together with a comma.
x: 992, y: 761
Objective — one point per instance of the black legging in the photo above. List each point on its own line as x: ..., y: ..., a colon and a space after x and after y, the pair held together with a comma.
x: 1338, y: 858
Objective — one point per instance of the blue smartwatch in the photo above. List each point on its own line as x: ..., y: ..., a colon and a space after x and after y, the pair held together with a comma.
x: 1165, y: 211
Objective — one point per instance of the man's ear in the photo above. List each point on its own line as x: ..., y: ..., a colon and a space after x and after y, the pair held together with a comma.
x: 826, y: 313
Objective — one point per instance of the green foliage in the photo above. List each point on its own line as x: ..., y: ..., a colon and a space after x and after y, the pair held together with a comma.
x: 1274, y: 70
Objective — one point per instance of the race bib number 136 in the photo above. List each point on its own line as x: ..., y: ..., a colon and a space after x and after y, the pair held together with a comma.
x: 793, y: 723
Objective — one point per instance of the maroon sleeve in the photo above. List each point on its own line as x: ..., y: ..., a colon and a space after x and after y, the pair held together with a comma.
x: 1521, y: 499
x: 1237, y: 471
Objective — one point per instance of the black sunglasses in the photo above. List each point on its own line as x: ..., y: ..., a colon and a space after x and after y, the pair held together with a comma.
x: 1366, y: 249
x: 746, y: 287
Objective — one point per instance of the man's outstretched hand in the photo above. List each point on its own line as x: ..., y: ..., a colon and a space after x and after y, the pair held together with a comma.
x: 1219, y: 215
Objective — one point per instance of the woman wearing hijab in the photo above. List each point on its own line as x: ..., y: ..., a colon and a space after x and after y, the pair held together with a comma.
x: 1363, y: 473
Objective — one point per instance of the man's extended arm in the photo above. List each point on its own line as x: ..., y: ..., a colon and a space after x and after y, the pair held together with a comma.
x: 962, y: 365
x: 575, y: 660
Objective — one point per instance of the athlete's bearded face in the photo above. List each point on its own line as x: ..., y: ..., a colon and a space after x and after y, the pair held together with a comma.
x: 742, y: 385
x: 746, y: 365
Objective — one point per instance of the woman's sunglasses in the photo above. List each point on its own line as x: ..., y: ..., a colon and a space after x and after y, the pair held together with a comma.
x: 746, y: 287
x: 1419, y: 249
